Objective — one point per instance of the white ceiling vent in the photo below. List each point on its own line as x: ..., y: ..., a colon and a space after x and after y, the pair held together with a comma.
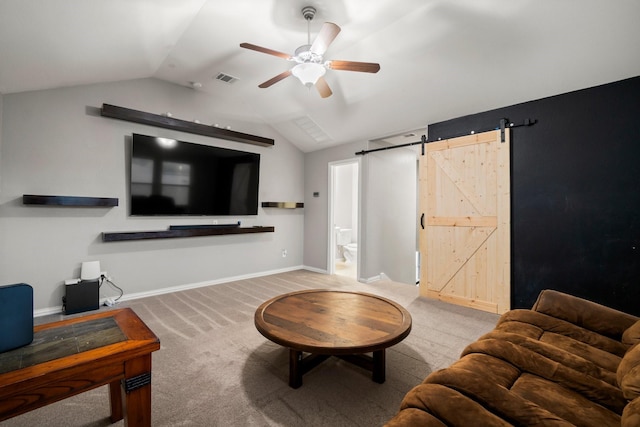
x: 312, y: 129
x: 226, y: 78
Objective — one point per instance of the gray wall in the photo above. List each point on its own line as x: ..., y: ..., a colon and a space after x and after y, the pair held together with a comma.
x: 54, y: 143
x: 316, y: 215
x: 391, y: 190
x: 1, y: 102
x: 387, y: 239
x: 346, y: 198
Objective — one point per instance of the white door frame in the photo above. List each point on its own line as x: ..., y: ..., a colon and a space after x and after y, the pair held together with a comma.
x: 331, y: 249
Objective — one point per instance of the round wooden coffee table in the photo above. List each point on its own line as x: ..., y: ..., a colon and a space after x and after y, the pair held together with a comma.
x: 333, y: 323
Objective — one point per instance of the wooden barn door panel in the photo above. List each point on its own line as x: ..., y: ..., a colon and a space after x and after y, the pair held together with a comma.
x: 465, y: 242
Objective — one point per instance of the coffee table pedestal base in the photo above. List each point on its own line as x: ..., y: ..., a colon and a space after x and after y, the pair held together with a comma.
x: 300, y: 365
x: 326, y: 331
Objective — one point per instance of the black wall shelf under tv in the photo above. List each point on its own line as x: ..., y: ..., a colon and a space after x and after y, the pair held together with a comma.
x: 189, y: 232
x: 158, y: 120
x: 34, y: 199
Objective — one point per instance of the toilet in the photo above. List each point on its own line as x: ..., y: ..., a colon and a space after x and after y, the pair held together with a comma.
x: 350, y: 252
x: 348, y: 249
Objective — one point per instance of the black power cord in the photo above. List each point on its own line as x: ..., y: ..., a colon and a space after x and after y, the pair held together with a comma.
x: 104, y: 278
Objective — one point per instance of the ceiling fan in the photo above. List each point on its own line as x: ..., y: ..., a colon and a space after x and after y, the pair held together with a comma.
x: 310, y: 66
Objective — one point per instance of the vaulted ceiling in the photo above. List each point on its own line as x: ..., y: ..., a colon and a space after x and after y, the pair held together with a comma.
x: 439, y: 59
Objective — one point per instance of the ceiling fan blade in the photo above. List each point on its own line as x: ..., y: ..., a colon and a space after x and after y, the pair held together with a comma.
x: 275, y: 79
x: 327, y: 33
x: 265, y: 50
x: 323, y: 88
x: 364, y: 67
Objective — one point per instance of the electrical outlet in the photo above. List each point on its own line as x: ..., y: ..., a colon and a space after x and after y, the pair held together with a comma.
x: 284, y: 253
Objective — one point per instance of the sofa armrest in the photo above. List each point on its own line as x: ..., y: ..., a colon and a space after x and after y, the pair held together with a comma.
x: 586, y: 314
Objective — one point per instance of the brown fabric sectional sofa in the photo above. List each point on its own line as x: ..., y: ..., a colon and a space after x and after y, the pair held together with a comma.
x: 565, y: 362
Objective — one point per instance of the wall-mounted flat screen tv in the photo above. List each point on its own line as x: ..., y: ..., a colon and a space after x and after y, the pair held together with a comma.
x: 170, y: 177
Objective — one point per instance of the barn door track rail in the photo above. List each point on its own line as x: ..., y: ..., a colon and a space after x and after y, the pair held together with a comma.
x: 503, y: 124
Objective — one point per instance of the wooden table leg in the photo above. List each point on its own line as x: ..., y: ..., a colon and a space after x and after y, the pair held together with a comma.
x: 115, y: 399
x: 137, y: 392
x: 295, y: 368
x: 379, y: 370
x: 299, y: 365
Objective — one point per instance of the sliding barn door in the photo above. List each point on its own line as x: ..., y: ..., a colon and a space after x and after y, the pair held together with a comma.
x: 465, y: 222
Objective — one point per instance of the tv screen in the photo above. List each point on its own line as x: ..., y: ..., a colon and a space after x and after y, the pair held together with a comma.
x: 170, y: 177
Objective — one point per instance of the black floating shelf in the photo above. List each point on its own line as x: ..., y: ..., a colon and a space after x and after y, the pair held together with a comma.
x: 32, y: 199
x: 136, y: 116
x: 189, y: 232
x: 283, y: 205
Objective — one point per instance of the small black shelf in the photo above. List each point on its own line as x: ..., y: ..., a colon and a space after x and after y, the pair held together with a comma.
x: 283, y: 205
x: 136, y: 116
x: 189, y: 232
x: 33, y: 199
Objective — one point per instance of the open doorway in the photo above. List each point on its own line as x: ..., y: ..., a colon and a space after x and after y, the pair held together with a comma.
x: 344, y: 218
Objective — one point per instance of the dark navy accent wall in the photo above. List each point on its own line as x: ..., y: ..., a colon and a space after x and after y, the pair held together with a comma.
x: 575, y: 193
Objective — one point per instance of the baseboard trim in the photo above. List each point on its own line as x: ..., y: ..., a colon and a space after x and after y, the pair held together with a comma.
x: 46, y: 311
x: 372, y: 279
x: 127, y: 297
x: 315, y: 270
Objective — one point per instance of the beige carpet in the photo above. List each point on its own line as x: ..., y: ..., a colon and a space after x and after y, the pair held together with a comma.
x: 215, y: 369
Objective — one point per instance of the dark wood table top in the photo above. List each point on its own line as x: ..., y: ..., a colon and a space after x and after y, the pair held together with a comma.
x: 324, y: 321
x: 100, y: 338
x: 61, y: 341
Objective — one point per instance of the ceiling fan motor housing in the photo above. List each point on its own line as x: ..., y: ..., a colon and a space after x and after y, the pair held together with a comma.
x: 303, y: 54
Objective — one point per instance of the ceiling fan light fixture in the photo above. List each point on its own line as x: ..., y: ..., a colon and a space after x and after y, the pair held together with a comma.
x: 309, y: 58
x: 309, y: 72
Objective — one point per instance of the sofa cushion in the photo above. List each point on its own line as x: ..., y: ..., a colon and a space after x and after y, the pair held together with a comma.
x: 586, y: 314
x: 629, y: 373
x: 631, y: 414
x: 567, y: 404
x: 495, y: 398
x: 549, y: 324
x: 573, y: 354
x: 414, y: 417
x: 596, y: 390
x: 515, y: 323
x: 493, y: 369
x: 631, y: 335
x: 568, y: 338
x: 602, y: 358
x: 436, y: 405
